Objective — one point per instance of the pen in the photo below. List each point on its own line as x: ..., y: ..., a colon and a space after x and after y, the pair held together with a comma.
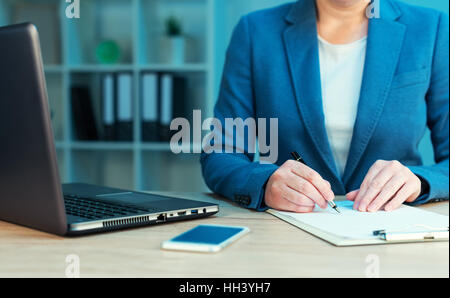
x: 298, y: 158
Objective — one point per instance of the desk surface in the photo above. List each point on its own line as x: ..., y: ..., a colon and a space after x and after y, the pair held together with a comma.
x: 272, y: 249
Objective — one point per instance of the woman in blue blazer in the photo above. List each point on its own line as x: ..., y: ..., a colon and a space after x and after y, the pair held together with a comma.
x: 275, y: 68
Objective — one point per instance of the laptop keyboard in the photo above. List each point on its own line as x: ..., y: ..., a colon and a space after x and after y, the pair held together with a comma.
x: 92, y: 209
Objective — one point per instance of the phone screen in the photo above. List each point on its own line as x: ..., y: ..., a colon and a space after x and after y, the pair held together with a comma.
x: 206, y: 234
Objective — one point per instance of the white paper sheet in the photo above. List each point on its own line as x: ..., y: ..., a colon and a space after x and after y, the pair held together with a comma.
x: 360, y: 225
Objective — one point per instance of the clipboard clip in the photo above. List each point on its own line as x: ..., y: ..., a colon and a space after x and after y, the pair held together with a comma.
x: 398, y: 236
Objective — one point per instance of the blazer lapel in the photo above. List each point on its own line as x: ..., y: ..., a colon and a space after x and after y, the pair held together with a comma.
x: 303, y: 56
x: 384, y: 44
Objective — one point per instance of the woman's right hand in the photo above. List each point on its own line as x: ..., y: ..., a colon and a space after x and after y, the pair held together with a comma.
x: 297, y: 188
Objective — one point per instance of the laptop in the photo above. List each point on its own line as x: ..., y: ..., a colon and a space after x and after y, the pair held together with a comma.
x: 30, y: 190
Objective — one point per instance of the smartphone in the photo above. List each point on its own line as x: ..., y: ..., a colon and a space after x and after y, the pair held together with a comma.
x: 206, y: 238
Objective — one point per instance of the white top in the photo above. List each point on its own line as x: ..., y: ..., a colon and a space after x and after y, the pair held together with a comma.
x: 341, y: 69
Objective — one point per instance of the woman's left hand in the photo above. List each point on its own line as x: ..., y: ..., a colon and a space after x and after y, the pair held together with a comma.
x: 388, y: 184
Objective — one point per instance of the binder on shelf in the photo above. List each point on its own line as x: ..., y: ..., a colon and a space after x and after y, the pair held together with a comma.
x: 85, y: 125
x: 124, y: 111
x: 108, y: 107
x: 172, y: 103
x: 150, y: 92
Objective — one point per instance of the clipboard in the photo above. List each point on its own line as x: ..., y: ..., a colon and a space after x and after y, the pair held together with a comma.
x: 416, y: 221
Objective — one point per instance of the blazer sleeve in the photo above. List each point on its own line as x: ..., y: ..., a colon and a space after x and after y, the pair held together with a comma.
x: 237, y: 176
x: 437, y: 176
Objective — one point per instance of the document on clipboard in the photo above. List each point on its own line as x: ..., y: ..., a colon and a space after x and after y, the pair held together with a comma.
x: 350, y: 228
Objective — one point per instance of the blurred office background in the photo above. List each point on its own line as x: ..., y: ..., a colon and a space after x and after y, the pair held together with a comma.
x: 130, y: 42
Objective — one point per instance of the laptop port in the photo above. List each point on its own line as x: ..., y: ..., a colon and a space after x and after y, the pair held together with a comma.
x: 161, y: 217
x: 182, y: 213
x: 194, y: 211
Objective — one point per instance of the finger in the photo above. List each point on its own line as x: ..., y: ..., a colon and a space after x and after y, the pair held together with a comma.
x: 351, y: 196
x: 402, y: 195
x: 297, y: 198
x: 287, y: 205
x: 373, y: 171
x: 322, y: 186
x: 388, y: 192
x: 376, y: 185
x: 305, y: 187
x: 302, y: 209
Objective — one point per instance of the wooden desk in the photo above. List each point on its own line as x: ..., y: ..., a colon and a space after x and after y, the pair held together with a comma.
x: 272, y: 249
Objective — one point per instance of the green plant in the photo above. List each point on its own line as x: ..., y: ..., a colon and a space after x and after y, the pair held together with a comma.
x: 173, y: 27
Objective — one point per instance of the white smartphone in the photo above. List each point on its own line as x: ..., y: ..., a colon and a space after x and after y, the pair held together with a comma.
x: 206, y: 238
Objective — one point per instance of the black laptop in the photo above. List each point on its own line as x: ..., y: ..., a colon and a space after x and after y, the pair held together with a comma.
x: 30, y: 189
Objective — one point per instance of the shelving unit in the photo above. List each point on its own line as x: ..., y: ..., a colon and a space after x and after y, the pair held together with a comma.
x: 137, y: 26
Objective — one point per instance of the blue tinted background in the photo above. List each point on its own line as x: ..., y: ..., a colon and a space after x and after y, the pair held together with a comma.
x: 139, y: 27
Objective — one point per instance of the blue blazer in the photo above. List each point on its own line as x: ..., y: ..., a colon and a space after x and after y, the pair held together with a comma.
x: 272, y: 71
